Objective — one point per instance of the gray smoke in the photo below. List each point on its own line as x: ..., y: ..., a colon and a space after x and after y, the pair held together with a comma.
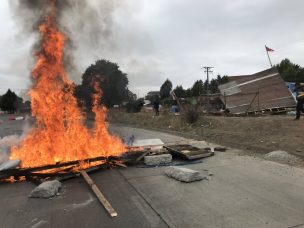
x: 12, y: 140
x: 89, y: 23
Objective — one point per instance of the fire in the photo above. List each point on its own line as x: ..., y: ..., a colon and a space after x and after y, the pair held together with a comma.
x: 60, y: 134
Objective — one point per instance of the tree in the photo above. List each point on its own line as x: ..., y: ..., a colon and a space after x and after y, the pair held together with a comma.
x: 213, y: 87
x: 112, y: 80
x: 188, y: 92
x: 180, y: 92
x: 10, y: 102
x: 214, y: 83
x: 152, y: 96
x: 290, y: 72
x: 198, y: 88
x: 165, y: 89
x: 222, y: 80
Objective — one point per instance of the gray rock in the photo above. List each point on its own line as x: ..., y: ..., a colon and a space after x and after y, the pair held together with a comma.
x: 162, y: 159
x: 184, y: 174
x: 46, y: 190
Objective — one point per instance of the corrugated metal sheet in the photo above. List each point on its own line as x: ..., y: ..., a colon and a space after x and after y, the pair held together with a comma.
x: 260, y: 91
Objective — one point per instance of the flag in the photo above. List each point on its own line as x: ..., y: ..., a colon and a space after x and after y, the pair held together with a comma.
x: 268, y: 49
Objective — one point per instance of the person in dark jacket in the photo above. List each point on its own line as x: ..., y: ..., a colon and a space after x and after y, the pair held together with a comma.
x: 300, y: 100
x: 156, y: 107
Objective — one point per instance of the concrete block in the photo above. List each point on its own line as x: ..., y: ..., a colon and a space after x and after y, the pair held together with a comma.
x: 162, y: 159
x: 46, y: 190
x: 184, y: 174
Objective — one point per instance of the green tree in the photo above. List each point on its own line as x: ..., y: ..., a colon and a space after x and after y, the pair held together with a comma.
x: 188, y: 92
x: 290, y: 72
x: 222, y: 80
x: 198, y: 88
x: 165, y: 89
x: 214, y: 83
x: 112, y: 80
x: 10, y: 102
x: 213, y: 87
x: 180, y: 92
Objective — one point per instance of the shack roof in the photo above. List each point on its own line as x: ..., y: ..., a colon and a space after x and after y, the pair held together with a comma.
x: 260, y: 91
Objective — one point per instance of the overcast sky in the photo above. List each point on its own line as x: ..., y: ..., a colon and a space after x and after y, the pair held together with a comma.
x: 159, y: 39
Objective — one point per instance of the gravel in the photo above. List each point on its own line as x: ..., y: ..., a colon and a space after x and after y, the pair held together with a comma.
x: 282, y: 156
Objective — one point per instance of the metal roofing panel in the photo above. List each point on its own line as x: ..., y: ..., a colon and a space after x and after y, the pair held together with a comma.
x: 229, y: 88
x: 259, y: 91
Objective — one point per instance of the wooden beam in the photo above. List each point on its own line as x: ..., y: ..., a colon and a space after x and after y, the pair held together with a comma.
x: 252, y: 102
x: 98, y: 193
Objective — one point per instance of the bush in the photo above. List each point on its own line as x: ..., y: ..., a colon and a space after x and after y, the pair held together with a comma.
x: 191, y: 114
x: 168, y: 102
x: 134, y: 106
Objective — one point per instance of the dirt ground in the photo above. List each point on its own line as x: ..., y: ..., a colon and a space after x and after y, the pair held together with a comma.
x: 257, y: 134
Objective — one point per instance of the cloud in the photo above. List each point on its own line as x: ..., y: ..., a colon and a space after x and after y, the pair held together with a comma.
x: 155, y: 40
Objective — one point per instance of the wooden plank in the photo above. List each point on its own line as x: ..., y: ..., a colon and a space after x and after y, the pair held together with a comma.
x: 117, y: 163
x: 194, y: 152
x: 142, y: 156
x: 98, y: 193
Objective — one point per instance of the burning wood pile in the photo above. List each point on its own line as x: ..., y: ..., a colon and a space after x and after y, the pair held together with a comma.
x: 59, y: 171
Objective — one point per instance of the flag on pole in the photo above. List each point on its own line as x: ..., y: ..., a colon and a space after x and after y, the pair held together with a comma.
x: 268, y: 49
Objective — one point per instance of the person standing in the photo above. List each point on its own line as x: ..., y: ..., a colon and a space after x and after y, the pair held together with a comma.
x: 300, y: 100
x: 156, y: 107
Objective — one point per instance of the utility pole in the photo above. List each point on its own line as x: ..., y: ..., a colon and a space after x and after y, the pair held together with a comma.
x: 207, y: 71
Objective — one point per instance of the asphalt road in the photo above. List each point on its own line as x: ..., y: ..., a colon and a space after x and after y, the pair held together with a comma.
x: 243, y: 192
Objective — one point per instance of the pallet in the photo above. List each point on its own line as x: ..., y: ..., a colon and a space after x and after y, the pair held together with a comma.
x: 188, y: 152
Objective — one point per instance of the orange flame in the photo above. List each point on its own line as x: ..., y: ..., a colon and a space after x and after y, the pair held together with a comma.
x: 60, y: 134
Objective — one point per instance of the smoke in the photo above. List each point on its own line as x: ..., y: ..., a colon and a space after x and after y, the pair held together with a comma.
x: 89, y: 25
x: 12, y: 140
